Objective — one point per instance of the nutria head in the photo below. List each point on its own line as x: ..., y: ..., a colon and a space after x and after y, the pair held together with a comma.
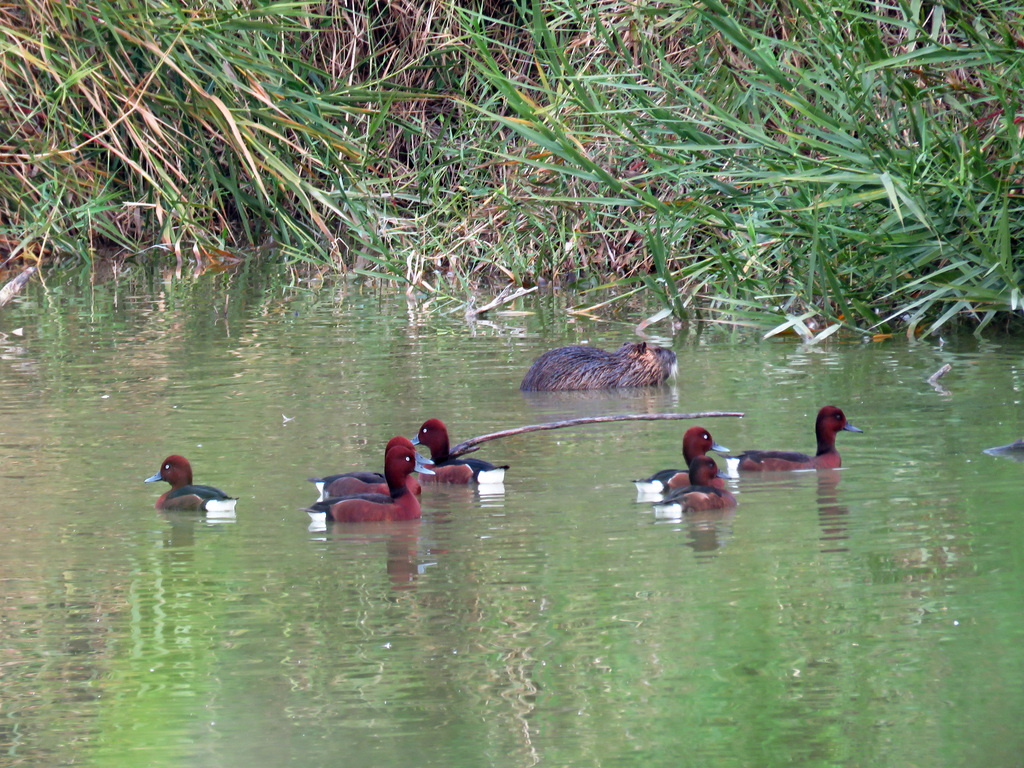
x: 665, y: 359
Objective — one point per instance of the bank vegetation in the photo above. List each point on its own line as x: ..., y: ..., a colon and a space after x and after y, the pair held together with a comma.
x: 855, y: 165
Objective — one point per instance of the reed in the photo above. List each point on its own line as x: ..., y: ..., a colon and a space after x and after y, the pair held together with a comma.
x: 859, y: 167
x: 800, y: 165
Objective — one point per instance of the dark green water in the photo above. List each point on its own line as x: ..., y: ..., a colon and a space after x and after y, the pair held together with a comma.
x: 874, y: 617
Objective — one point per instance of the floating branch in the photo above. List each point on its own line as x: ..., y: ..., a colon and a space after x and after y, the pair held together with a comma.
x: 939, y: 374
x: 503, y: 298
x: 468, y: 446
x: 934, y: 379
x: 14, y: 287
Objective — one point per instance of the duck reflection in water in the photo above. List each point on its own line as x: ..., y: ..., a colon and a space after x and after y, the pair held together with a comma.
x: 406, y: 555
x: 708, y: 531
x: 182, y: 528
x: 832, y: 516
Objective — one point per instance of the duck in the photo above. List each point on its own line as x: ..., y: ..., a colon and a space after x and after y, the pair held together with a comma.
x: 434, y: 435
x: 697, y: 441
x: 351, y: 483
x: 399, y: 503
x: 829, y: 423
x: 184, y: 495
x: 1014, y: 449
x: 700, y: 495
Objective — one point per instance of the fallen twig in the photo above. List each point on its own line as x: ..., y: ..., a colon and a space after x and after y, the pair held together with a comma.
x: 468, y: 446
x: 939, y: 374
x: 14, y: 287
x: 503, y: 298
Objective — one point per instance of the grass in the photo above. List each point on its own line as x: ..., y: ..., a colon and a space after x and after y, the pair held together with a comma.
x: 800, y: 165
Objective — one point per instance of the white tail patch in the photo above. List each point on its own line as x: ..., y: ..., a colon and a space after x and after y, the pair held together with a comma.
x: 320, y: 489
x: 649, y: 486
x: 223, y: 508
x: 494, y: 476
x: 732, y: 468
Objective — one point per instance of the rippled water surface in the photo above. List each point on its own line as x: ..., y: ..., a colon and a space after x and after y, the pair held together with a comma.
x: 872, y: 616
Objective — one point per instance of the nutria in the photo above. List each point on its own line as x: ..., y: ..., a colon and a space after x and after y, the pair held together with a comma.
x: 569, y: 368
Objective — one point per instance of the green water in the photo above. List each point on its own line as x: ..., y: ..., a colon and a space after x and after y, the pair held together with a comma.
x: 870, y: 617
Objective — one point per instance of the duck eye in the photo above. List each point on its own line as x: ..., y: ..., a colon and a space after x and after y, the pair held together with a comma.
x: 167, y: 466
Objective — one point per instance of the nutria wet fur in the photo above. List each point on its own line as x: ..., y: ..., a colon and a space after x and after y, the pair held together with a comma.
x: 571, y: 368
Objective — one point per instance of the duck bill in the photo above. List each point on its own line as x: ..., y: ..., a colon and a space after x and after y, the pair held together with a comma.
x: 154, y: 479
x: 719, y: 448
x: 850, y: 428
x: 422, y: 465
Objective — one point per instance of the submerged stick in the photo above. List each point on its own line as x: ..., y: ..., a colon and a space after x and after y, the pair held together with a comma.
x: 939, y: 374
x: 14, y: 287
x: 503, y: 298
x: 468, y: 446
x: 933, y: 380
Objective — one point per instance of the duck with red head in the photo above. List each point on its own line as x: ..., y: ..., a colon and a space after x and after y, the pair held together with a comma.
x: 351, y: 483
x: 696, y: 442
x: 399, y: 503
x: 184, y: 495
x: 434, y: 435
x: 701, y: 495
x: 829, y: 423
